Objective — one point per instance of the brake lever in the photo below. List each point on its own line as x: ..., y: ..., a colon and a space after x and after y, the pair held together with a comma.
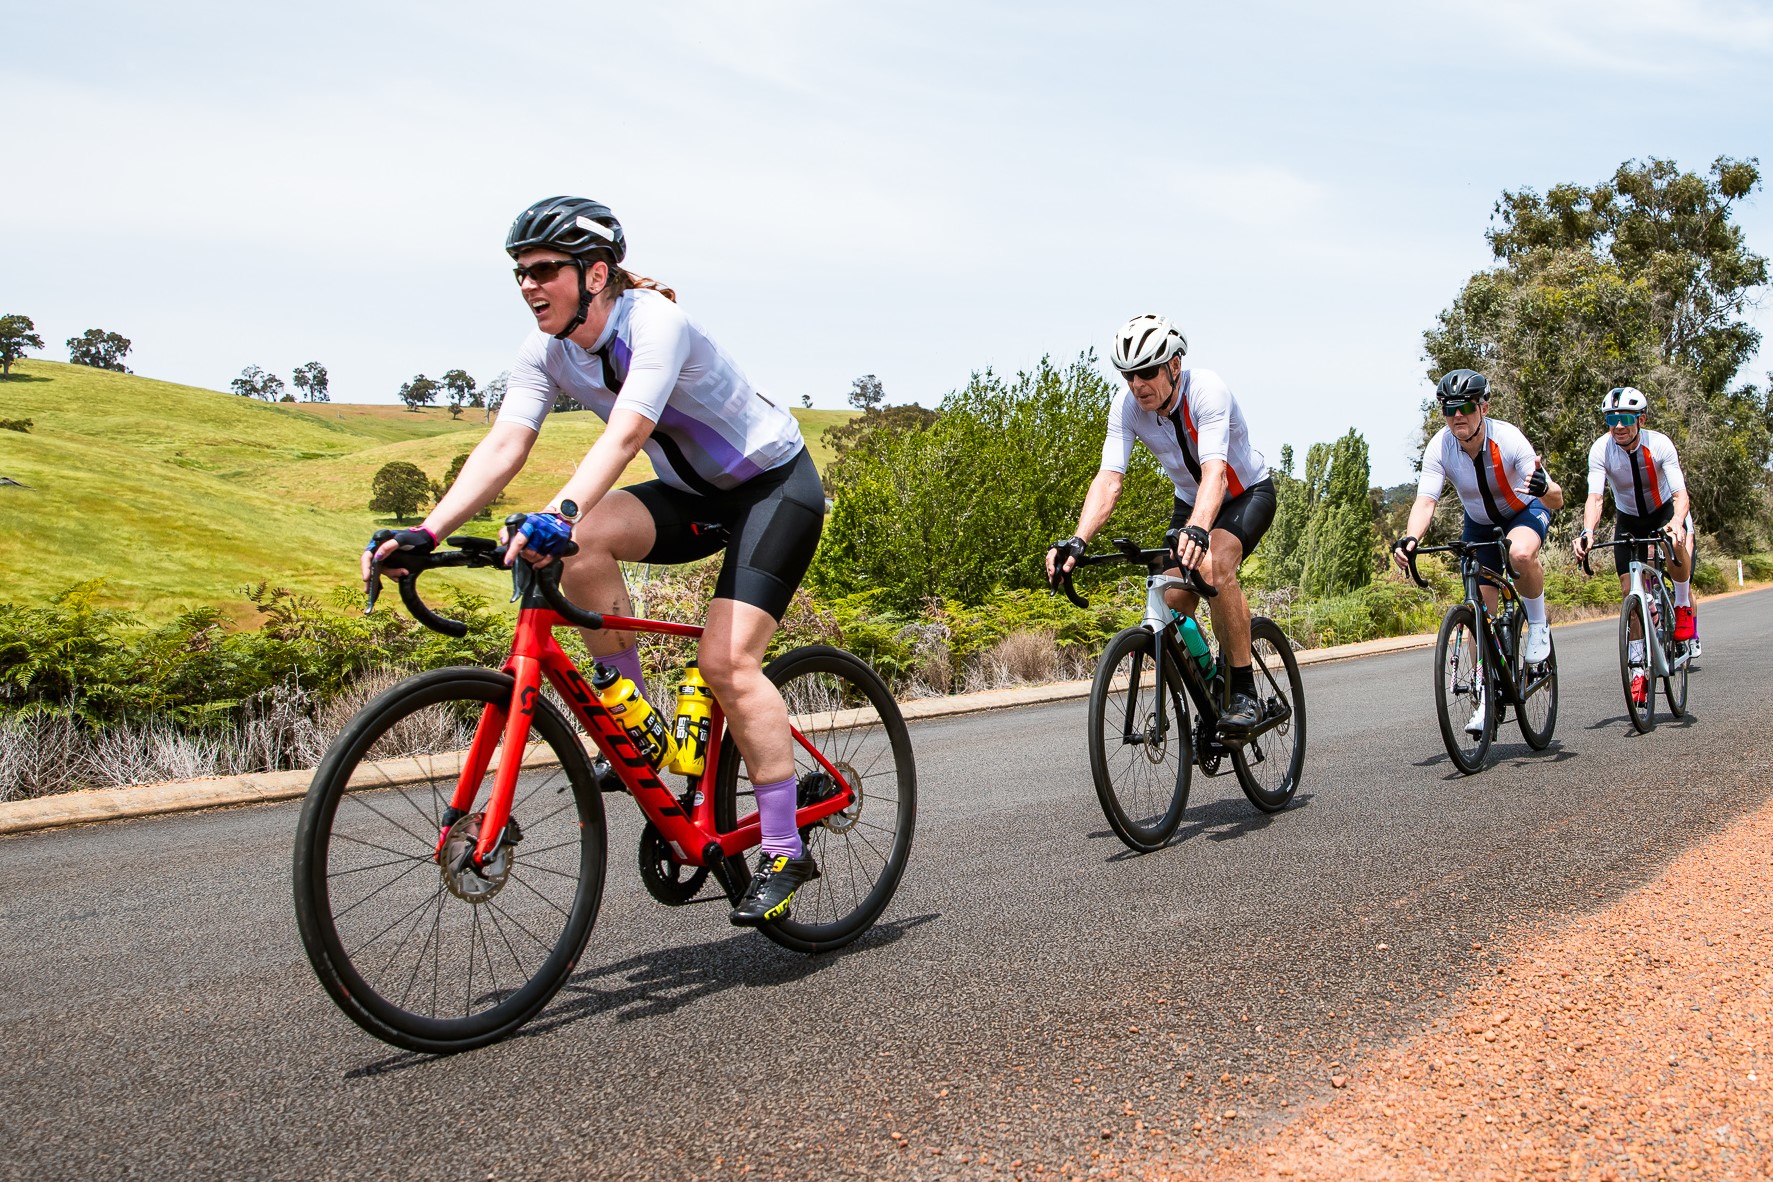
x: 372, y: 587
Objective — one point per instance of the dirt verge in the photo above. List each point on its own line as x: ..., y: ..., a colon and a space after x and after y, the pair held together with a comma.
x: 1630, y: 1043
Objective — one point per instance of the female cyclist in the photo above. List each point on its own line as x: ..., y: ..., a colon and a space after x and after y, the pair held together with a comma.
x: 732, y: 470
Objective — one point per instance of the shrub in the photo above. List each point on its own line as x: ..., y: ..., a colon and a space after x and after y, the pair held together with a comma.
x: 1708, y: 578
x: 15, y: 425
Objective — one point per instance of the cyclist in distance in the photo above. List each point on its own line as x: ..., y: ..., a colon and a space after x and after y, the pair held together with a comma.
x: 1501, y: 483
x: 1649, y: 493
x: 1224, y: 497
x: 731, y: 469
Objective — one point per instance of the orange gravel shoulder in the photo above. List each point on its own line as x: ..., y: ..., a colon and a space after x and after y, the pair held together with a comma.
x: 1630, y: 1043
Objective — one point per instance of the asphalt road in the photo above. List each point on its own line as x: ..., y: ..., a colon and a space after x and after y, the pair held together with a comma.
x: 1035, y: 994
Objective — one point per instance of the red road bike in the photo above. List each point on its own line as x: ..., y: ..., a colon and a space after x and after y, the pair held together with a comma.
x: 450, y: 858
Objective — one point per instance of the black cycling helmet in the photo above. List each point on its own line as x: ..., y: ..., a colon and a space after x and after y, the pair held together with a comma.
x: 577, y: 226
x: 572, y: 225
x: 1461, y: 385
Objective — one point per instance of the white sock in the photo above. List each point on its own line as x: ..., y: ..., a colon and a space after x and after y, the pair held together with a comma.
x: 1684, y: 594
x: 1636, y: 652
x: 1535, y: 609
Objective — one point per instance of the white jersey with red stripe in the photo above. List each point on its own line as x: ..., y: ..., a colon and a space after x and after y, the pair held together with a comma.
x: 1492, y: 485
x: 1643, y: 477
x: 1203, y: 423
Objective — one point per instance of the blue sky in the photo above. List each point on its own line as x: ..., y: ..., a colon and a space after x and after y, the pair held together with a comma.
x: 914, y: 190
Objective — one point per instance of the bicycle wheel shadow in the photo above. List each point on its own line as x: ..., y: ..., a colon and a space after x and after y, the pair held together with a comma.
x: 1663, y: 719
x: 658, y: 983
x: 1517, y: 754
x: 1225, y: 819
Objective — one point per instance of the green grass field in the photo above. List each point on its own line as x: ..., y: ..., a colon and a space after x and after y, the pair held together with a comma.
x: 178, y: 497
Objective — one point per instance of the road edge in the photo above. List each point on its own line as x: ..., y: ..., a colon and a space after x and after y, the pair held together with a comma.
x: 147, y: 800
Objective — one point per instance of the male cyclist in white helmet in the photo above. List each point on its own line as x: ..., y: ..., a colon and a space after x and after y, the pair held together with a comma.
x: 1649, y: 494
x: 1502, y: 485
x: 1224, y: 498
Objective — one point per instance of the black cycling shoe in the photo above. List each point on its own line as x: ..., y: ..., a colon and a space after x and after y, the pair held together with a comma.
x: 605, y: 775
x: 1241, y: 715
x: 772, y: 888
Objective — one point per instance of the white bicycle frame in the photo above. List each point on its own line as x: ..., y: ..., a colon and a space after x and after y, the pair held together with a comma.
x: 1643, y: 576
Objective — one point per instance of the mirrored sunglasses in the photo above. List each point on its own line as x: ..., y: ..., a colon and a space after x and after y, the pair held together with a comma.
x: 1449, y: 409
x: 1620, y: 418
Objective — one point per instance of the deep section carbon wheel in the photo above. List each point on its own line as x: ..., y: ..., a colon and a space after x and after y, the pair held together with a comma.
x: 1142, y: 764
x: 843, y: 708
x: 1269, y: 765
x: 422, y: 948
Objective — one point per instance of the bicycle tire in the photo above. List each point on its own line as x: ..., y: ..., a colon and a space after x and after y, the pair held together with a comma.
x: 1460, y: 671
x: 1142, y: 796
x: 1283, y: 746
x: 1643, y: 718
x: 1537, y: 715
x: 847, y: 712
x: 372, y: 800
x: 1674, y: 686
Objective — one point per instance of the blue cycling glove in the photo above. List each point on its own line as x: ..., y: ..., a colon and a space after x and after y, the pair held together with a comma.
x: 548, y: 533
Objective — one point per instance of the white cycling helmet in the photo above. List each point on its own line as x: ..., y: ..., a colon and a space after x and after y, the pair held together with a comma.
x: 1628, y: 399
x: 1147, y: 340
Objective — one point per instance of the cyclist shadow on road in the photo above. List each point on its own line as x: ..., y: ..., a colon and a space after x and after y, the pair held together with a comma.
x: 1226, y: 819
x: 654, y: 984
x: 657, y: 983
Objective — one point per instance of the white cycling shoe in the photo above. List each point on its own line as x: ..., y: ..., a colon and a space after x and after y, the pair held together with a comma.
x: 1474, y: 726
x: 1538, y: 643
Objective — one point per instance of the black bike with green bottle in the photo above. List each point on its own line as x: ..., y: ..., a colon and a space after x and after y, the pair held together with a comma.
x: 1143, y: 743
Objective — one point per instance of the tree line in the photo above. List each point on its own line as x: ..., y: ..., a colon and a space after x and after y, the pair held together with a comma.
x: 95, y: 347
x: 1642, y: 279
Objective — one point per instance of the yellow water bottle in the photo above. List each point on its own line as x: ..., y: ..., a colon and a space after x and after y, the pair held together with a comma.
x: 634, y: 714
x: 695, y: 716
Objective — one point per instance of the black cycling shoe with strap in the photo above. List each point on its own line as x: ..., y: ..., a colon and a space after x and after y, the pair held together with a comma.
x: 1242, y: 714
x: 772, y: 888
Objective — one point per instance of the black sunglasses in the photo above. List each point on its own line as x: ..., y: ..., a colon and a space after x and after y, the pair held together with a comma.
x: 542, y: 270
x: 1449, y: 409
x: 1144, y: 375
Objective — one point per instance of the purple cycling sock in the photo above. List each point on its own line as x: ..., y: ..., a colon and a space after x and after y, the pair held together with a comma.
x: 627, y: 663
x: 775, y: 810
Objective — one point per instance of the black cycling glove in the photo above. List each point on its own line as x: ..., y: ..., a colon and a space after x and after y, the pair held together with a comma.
x: 421, y: 540
x: 1068, y: 548
x: 1538, y: 482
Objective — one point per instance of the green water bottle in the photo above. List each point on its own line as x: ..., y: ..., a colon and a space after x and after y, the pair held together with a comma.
x: 1196, y: 644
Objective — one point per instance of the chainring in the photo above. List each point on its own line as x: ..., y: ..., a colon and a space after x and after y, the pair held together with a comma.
x: 665, y: 878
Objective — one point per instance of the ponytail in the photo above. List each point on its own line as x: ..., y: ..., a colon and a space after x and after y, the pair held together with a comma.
x: 621, y: 280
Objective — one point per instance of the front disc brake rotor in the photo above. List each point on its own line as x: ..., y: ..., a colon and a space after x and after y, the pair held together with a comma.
x: 466, y: 881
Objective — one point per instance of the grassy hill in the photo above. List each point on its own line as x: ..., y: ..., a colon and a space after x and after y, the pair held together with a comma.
x: 178, y: 497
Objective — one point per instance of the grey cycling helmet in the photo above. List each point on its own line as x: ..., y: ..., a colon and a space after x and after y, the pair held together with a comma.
x: 576, y: 226
x: 1147, y: 340
x: 1629, y: 399
x: 1462, y: 385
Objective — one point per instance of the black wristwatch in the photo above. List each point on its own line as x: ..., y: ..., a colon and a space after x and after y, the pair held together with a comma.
x: 570, y: 510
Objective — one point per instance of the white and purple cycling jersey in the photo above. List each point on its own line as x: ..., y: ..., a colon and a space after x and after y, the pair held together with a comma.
x: 1643, y: 478
x: 713, y: 431
x: 1205, y: 423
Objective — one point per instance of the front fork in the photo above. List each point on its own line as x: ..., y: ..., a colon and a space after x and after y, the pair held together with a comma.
x: 515, y: 724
